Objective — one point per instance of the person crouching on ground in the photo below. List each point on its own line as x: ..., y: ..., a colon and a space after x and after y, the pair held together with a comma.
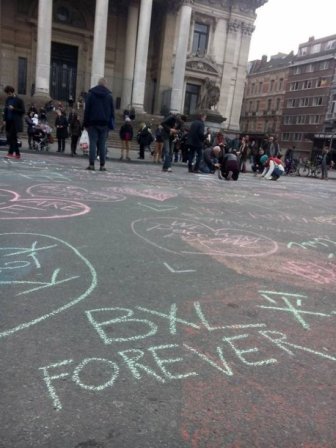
x: 209, y: 162
x: 273, y: 167
x: 229, y: 166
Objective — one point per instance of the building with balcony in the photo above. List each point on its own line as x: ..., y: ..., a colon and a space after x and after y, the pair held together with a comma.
x: 155, y: 54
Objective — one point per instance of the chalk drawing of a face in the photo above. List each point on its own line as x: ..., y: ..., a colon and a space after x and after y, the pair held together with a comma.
x: 35, y: 283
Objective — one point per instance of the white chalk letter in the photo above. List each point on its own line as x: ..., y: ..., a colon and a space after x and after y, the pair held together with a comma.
x: 161, y: 362
x: 109, y: 383
x: 124, y: 319
x: 48, y: 380
x: 240, y: 353
x: 131, y: 358
x: 282, y: 341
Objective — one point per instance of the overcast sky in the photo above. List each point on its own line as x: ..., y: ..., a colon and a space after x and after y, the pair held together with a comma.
x: 282, y: 25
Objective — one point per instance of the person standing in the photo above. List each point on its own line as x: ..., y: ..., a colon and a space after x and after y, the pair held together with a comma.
x: 13, y: 120
x: 126, y: 136
x: 98, y: 120
x: 196, y: 141
x: 75, y: 132
x: 243, y: 153
x: 144, y: 138
x: 325, y: 162
x: 61, y: 125
x: 157, y: 156
x: 30, y: 129
x: 171, y: 126
x: 208, y: 139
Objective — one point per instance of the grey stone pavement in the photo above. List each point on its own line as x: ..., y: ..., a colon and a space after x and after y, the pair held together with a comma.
x: 142, y: 309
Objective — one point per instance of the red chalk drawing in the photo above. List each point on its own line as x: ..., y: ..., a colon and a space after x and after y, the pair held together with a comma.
x: 148, y: 193
x: 67, y: 191
x: 7, y: 196
x: 316, y: 273
x: 42, y: 209
x: 168, y: 233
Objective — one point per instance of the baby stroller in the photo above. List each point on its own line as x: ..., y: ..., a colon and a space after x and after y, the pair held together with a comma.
x: 41, y: 137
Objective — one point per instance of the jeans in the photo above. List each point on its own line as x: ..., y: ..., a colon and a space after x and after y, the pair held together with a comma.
x: 98, y: 137
x: 168, y: 146
x: 192, y: 151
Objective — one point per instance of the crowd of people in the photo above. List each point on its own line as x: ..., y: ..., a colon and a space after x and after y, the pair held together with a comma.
x: 203, y: 150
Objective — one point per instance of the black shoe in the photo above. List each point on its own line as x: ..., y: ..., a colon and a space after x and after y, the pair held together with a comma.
x: 91, y: 168
x: 102, y: 168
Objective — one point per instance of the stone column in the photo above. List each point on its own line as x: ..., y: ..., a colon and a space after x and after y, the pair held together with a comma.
x: 238, y: 93
x: 140, y: 70
x: 229, y: 69
x: 99, y: 41
x: 44, y: 28
x: 181, y: 57
x: 131, y: 37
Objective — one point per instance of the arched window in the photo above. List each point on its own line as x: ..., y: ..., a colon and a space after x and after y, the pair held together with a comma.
x: 65, y: 14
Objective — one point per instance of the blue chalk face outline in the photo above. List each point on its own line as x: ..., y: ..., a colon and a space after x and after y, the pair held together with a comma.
x: 36, y: 286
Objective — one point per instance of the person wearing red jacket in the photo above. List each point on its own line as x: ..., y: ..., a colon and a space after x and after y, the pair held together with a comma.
x: 273, y: 167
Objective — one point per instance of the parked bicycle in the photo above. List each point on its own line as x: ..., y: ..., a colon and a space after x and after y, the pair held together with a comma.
x: 311, y: 168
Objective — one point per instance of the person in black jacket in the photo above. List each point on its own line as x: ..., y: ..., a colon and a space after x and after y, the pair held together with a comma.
x: 196, y: 138
x: 98, y: 119
x: 61, y: 125
x: 13, y: 120
x: 75, y: 128
x: 171, y: 126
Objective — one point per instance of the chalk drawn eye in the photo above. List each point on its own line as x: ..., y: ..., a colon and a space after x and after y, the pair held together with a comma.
x: 14, y: 265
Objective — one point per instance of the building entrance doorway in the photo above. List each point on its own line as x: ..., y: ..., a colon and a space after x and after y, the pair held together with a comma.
x: 63, y: 72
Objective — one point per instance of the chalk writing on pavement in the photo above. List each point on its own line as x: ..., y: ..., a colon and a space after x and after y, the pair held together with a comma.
x: 33, y: 279
x: 168, y: 233
x: 212, y: 342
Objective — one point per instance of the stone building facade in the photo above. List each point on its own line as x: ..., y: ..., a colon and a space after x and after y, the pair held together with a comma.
x: 155, y: 54
x: 264, y: 96
x: 293, y: 97
x: 308, y: 99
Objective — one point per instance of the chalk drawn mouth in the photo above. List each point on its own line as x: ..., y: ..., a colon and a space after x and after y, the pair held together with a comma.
x: 203, y: 239
x: 33, y: 254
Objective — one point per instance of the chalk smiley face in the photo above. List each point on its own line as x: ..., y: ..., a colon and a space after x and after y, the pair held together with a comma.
x: 32, y: 276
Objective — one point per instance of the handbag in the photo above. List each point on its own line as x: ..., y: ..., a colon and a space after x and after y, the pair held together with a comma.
x: 84, y: 141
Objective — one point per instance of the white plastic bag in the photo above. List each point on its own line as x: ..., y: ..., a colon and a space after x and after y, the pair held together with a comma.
x: 84, y: 142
